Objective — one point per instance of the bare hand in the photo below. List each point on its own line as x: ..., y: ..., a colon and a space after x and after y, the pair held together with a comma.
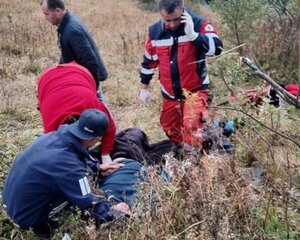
x: 122, y: 207
x: 108, y: 168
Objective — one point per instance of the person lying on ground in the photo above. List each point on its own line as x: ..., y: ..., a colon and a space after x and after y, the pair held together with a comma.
x: 63, y: 92
x: 134, y: 150
x: 51, y: 173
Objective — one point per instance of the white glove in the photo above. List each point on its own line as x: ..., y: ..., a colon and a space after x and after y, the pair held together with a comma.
x: 106, y: 159
x: 145, y: 96
x: 189, y: 25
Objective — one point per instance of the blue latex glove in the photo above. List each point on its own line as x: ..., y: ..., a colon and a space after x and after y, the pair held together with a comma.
x: 228, y: 128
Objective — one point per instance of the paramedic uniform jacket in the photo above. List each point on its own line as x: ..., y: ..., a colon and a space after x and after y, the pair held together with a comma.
x: 174, y: 53
x: 45, y: 175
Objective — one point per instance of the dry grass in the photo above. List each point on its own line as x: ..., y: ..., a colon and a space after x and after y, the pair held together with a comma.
x: 210, y: 196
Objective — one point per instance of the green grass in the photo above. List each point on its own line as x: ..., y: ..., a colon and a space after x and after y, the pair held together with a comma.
x: 212, y: 199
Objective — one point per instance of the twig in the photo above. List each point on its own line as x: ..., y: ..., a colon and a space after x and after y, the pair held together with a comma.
x: 214, y: 57
x: 267, y: 210
x: 286, y: 96
x: 256, y: 120
x: 287, y: 199
x: 193, y: 225
x: 225, y: 82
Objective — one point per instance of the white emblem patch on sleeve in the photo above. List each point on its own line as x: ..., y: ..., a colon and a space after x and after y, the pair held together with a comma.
x: 208, y: 28
x: 84, y: 186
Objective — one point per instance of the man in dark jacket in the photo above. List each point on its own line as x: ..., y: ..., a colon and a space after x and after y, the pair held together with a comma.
x: 177, y: 44
x: 75, y: 41
x: 52, y: 173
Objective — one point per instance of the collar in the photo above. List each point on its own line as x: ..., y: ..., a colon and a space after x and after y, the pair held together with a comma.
x: 64, y: 21
x: 69, y: 138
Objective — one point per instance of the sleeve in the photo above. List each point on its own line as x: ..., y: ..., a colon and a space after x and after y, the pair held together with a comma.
x: 108, y: 140
x: 76, y: 188
x: 81, y: 43
x: 93, y: 165
x: 150, y: 61
x: 208, y: 40
x: 293, y: 89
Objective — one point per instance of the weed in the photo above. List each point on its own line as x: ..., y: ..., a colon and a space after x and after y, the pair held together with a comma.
x: 209, y: 196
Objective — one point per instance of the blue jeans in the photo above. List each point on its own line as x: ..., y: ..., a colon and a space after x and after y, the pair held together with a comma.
x: 120, y: 185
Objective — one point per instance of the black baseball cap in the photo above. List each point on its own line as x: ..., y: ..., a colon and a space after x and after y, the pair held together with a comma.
x: 91, y: 124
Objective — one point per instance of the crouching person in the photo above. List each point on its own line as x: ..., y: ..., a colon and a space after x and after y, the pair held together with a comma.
x: 63, y: 92
x: 52, y: 172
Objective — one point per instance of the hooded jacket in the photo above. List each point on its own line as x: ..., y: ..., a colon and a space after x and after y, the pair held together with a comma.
x: 66, y: 90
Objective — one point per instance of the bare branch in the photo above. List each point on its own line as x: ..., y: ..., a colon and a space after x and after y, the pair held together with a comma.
x: 286, y: 96
x: 256, y: 120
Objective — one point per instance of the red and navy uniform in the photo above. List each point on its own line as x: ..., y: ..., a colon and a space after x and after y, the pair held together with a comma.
x: 175, y: 55
x: 66, y: 90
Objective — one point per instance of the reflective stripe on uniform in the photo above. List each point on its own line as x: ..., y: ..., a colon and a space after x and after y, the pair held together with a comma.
x: 84, y: 186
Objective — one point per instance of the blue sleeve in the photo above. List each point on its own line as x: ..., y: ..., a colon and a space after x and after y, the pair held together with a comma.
x: 202, y: 43
x: 76, y: 188
x: 93, y: 165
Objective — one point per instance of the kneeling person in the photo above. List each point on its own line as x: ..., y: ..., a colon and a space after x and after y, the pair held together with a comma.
x: 52, y: 172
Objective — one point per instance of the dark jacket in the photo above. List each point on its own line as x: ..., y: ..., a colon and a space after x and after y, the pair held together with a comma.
x: 133, y: 143
x: 48, y: 173
x: 77, y: 44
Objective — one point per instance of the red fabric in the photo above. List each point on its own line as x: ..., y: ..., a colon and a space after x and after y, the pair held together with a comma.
x: 186, y: 53
x: 171, y: 120
x: 252, y: 95
x: 183, y: 121
x: 256, y: 95
x: 69, y: 89
x: 293, y: 89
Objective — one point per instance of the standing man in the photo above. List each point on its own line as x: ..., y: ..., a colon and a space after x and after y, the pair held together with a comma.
x: 75, y: 41
x: 174, y: 44
x: 52, y: 173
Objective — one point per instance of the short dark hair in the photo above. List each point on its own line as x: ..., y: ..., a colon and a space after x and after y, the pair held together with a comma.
x: 170, y: 5
x: 53, y: 4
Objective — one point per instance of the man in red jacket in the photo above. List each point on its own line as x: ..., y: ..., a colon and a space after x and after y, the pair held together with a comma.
x: 64, y: 92
x: 178, y: 44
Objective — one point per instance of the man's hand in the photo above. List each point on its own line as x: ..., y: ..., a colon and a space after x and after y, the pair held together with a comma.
x: 189, y: 25
x: 109, y: 168
x: 145, y: 96
x: 122, y: 207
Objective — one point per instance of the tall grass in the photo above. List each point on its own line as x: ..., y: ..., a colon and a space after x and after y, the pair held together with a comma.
x: 210, y: 196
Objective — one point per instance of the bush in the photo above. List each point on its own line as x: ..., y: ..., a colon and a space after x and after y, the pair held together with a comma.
x: 150, y: 5
x: 239, y: 16
x: 269, y: 29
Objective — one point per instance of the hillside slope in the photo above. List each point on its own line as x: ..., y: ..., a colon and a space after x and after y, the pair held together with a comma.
x: 217, y: 196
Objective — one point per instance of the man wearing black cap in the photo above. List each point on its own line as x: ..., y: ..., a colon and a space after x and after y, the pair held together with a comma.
x: 52, y: 173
